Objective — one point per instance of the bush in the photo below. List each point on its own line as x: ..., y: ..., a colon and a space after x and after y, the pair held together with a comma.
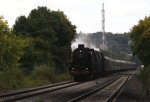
x: 43, y: 72
x: 11, y: 79
x: 145, y: 75
x: 11, y: 50
x: 62, y: 77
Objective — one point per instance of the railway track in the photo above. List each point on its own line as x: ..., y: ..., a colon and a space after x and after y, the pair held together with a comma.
x: 64, y: 92
x: 104, y: 93
x: 22, y: 94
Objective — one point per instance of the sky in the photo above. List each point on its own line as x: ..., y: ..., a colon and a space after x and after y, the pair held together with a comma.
x: 120, y: 15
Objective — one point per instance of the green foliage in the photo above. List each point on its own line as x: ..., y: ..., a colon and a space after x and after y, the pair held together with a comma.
x: 3, y: 26
x: 11, y: 79
x: 40, y: 45
x: 21, y: 26
x: 62, y: 77
x: 140, y: 36
x: 146, y: 76
x: 52, y: 33
x: 36, y: 53
x: 121, y: 56
x: 43, y: 72
x: 11, y: 49
x: 114, y: 46
x: 118, y: 44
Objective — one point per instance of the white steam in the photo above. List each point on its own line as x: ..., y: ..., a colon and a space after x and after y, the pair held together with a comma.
x: 82, y: 39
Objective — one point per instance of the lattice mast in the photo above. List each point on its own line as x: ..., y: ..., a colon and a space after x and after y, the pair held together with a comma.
x: 104, y: 44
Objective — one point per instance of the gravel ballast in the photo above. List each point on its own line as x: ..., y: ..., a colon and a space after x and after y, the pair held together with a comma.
x: 134, y: 91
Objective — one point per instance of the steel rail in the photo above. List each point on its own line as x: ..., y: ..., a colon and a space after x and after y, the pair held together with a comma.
x: 20, y: 96
x: 33, y: 89
x: 79, y: 98
x: 116, y: 93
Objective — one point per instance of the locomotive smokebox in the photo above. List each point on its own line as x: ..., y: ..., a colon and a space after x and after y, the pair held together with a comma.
x: 81, y: 46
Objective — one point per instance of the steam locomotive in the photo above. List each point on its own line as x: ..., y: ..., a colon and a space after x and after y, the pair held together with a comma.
x: 88, y: 63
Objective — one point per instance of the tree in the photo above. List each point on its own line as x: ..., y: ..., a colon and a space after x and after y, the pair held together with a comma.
x: 51, y: 32
x: 21, y: 26
x: 3, y: 26
x: 11, y: 47
x: 140, y: 36
x: 11, y: 50
x: 65, y: 32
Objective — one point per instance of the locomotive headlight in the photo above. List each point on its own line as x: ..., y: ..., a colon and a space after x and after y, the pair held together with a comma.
x: 86, y: 68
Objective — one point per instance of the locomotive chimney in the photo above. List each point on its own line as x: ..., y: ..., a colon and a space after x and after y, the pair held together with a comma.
x: 81, y: 46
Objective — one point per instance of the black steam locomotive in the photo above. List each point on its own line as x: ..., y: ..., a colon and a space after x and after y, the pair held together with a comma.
x: 88, y: 63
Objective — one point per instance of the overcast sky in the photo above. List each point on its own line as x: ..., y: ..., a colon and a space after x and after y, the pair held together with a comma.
x: 120, y: 15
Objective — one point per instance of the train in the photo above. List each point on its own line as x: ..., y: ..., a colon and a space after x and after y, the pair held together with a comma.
x: 88, y: 63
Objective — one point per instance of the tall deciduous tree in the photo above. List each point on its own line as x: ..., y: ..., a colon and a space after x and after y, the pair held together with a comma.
x: 52, y: 33
x: 140, y: 36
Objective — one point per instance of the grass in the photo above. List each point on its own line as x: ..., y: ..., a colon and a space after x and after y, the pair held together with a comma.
x: 145, y: 76
x: 42, y: 75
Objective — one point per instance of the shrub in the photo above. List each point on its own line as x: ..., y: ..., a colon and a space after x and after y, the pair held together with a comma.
x: 11, y: 79
x: 145, y: 75
x: 43, y: 72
